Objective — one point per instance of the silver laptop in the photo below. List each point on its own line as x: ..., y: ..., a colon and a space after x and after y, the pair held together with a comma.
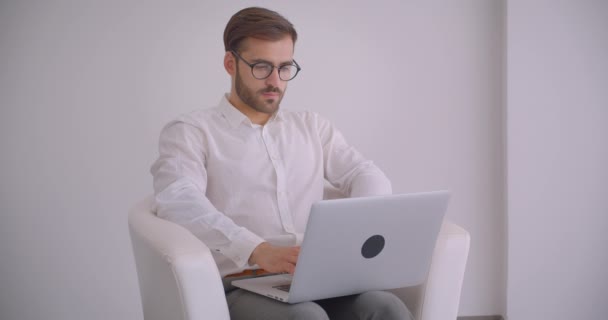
x: 356, y: 245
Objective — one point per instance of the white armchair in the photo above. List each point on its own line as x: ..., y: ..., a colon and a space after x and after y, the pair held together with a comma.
x: 178, y: 278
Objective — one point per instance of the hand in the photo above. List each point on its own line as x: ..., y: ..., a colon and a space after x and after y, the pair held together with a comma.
x: 275, y: 259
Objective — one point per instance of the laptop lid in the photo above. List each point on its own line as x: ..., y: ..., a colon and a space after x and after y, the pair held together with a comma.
x: 356, y: 245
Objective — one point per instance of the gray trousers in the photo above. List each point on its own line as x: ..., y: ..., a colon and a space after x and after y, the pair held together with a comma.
x: 244, y: 305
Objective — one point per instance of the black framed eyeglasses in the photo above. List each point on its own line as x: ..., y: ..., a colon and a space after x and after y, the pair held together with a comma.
x: 262, y: 70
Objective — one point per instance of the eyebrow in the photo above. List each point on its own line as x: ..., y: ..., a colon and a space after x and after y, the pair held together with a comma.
x: 270, y: 63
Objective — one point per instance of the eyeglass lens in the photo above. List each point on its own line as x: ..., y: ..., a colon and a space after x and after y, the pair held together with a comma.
x: 263, y: 70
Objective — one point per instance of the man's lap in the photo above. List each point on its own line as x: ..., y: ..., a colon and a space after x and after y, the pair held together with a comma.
x: 244, y: 305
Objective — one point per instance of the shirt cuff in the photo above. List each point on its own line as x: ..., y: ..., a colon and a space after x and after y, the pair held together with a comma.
x: 241, y: 247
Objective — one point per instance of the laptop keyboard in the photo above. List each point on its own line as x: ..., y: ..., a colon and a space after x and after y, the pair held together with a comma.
x: 284, y: 287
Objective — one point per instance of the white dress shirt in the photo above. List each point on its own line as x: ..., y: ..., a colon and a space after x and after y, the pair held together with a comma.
x: 235, y: 184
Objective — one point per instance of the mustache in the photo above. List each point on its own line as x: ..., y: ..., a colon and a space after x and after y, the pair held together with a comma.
x: 271, y: 89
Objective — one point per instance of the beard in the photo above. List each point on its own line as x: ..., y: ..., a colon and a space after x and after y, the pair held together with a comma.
x: 254, y: 98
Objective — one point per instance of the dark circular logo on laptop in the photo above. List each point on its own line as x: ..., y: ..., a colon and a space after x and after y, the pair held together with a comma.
x: 372, y: 246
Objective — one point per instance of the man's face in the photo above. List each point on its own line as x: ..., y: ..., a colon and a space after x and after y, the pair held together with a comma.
x: 263, y: 95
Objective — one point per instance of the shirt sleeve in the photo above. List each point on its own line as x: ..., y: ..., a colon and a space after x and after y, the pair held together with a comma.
x: 180, y: 182
x: 346, y: 169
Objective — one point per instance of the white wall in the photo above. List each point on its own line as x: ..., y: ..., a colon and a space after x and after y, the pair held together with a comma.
x: 85, y: 88
x: 557, y: 159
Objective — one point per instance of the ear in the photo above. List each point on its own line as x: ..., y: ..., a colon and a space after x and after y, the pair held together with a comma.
x: 230, y: 63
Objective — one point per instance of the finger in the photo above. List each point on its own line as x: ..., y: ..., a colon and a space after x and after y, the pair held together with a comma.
x: 292, y: 259
x: 290, y: 268
x: 294, y: 251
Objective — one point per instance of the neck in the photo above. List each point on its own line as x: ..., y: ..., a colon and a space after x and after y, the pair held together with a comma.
x: 254, y: 116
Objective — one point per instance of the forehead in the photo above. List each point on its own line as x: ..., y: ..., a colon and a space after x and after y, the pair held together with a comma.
x: 273, y: 51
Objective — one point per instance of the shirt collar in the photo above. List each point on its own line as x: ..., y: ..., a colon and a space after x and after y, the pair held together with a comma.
x: 236, y: 117
x: 231, y: 114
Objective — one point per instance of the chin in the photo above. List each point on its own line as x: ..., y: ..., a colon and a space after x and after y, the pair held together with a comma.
x: 270, y: 106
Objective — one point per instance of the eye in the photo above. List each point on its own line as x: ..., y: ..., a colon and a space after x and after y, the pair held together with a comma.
x: 262, y: 67
x: 287, y: 70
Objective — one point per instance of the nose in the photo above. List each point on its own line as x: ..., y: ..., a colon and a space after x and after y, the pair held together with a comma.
x: 273, y: 79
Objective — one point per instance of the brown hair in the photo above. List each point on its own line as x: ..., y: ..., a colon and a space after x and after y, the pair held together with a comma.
x: 259, y: 23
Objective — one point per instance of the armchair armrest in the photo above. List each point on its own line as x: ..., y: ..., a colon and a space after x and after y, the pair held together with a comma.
x: 438, y: 297
x: 178, y: 278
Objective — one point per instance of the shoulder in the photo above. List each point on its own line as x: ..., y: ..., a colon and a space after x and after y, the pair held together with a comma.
x: 198, y: 118
x: 193, y: 124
